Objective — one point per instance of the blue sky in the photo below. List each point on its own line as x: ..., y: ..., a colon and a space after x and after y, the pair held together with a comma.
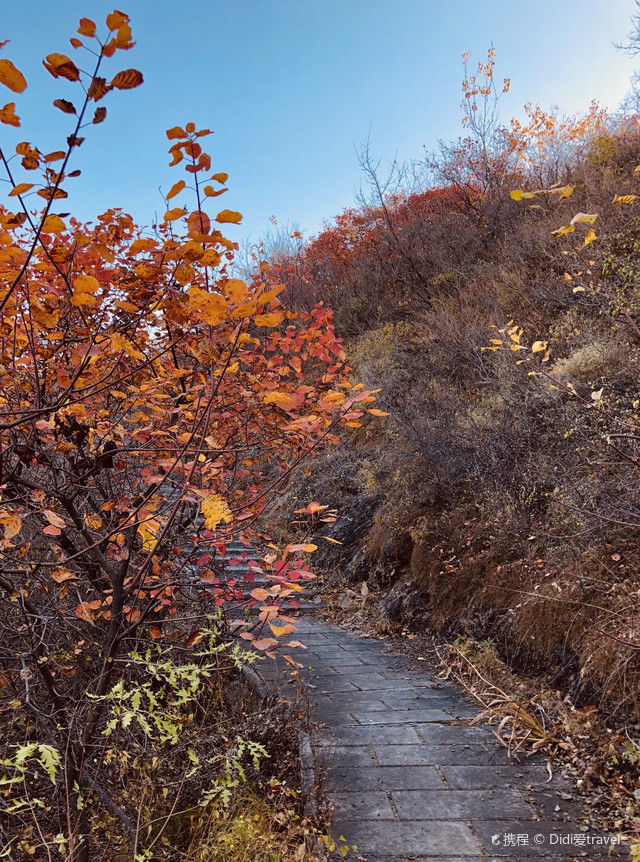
x: 292, y: 86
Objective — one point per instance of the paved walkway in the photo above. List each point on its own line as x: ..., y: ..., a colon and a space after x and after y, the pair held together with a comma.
x: 409, y: 779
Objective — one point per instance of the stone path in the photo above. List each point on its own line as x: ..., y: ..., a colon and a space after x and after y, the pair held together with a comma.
x: 409, y: 779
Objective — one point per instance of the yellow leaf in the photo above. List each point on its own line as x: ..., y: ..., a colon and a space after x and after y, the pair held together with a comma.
x: 229, y: 217
x: 539, y: 346
x: 564, y: 191
x: 148, y: 532
x: 561, y: 231
x: 215, y: 509
x: 375, y: 412
x: 272, y: 319
x: 590, y: 237
x: 175, y: 189
x: 519, y: 195
x: 584, y: 218
x: 11, y: 77
x: 281, y: 630
x: 625, y: 199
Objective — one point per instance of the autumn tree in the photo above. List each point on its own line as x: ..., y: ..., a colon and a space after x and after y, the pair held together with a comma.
x: 151, y: 407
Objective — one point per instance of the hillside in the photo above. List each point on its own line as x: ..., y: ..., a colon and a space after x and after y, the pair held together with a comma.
x: 496, y: 310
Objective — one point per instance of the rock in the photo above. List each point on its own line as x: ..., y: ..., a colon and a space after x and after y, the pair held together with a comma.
x: 394, y: 608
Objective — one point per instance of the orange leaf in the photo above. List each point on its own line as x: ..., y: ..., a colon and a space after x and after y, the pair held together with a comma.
x: 172, y: 215
x: 116, y: 19
x: 375, y: 412
x: 229, y: 217
x: 83, y: 611
x: 199, y: 222
x: 86, y: 27
x: 20, y: 189
x: 175, y: 189
x: 220, y: 178
x: 62, y: 575
x: 53, y: 224
x: 85, y: 284
x: 99, y: 115
x: 97, y: 89
x: 176, y: 133
x: 61, y: 66
x: 264, y: 643
x: 260, y: 594
x: 11, y: 77
x: 272, y: 319
x: 127, y: 79
x: 8, y: 115
x: 236, y: 290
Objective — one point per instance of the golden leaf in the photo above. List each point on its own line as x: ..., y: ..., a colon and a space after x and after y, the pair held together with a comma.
x: 539, y: 346
x: 590, y: 237
x: 215, y: 509
x: 625, y: 199
x: 564, y: 191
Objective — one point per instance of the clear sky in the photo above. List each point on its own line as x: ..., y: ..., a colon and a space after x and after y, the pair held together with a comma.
x: 291, y: 86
